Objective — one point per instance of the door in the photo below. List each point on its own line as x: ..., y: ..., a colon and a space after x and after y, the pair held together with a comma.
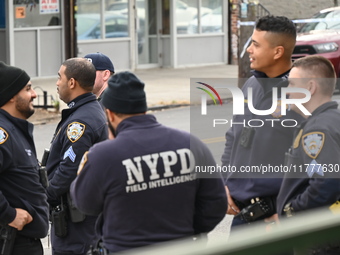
x: 153, y: 23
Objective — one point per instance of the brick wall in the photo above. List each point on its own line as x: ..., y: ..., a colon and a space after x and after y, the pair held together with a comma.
x: 297, y: 9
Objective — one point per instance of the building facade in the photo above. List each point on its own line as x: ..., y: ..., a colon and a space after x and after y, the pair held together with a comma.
x: 38, y: 35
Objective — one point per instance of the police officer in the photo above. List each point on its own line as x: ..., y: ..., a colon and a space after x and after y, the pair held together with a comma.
x: 23, y: 201
x: 104, y: 70
x: 81, y: 126
x: 142, y: 183
x: 254, y: 145
x: 315, y: 153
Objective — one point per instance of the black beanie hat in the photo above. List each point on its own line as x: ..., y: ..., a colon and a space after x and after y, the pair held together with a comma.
x: 125, y: 94
x: 12, y: 80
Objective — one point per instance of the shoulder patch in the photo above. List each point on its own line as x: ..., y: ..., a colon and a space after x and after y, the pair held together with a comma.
x: 312, y: 143
x: 297, y: 139
x: 3, y: 135
x: 75, y: 130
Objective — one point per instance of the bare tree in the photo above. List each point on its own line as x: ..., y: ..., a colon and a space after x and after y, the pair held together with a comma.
x: 336, y: 3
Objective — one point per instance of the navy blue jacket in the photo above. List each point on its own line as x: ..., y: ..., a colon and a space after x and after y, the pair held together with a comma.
x: 269, y: 142
x: 144, y: 186
x: 317, y: 142
x: 20, y: 185
x: 81, y: 126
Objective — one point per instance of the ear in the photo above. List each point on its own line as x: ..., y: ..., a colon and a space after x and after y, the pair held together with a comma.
x: 110, y: 115
x: 312, y: 86
x: 72, y: 83
x: 107, y: 75
x: 278, y: 52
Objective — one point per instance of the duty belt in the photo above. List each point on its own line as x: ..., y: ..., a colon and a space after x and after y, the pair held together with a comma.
x: 257, y: 208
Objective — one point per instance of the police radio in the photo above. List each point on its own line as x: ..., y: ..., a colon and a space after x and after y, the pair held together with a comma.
x: 42, y: 169
x: 246, y: 137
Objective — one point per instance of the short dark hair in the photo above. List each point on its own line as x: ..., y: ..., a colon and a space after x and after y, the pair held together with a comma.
x: 276, y: 24
x: 321, y: 68
x: 283, y: 28
x: 82, y: 71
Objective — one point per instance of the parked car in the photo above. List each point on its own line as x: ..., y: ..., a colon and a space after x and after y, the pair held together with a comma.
x: 321, y: 36
x: 210, y: 22
x: 116, y: 25
x: 186, y: 14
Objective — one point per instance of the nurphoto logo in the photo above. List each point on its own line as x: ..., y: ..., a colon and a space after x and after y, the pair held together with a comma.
x: 238, y: 100
x: 279, y: 103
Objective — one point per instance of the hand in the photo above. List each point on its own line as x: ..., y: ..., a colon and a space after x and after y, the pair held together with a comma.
x: 21, y: 219
x: 272, y: 222
x: 232, y: 207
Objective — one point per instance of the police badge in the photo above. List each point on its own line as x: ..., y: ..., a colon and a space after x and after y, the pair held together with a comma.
x: 74, y: 131
x: 277, y: 113
x: 3, y: 135
x: 313, y: 143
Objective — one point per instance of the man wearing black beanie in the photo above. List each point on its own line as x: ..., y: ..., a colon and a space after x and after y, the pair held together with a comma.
x: 23, y: 201
x: 143, y: 182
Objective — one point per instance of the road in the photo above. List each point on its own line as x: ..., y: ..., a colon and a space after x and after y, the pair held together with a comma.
x: 184, y: 118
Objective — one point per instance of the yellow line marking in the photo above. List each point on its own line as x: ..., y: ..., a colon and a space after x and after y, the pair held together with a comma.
x: 214, y: 139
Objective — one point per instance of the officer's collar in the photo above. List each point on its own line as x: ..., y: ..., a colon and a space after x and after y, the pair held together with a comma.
x: 324, y: 107
x: 259, y: 74
x: 77, y: 99
x: 21, y: 124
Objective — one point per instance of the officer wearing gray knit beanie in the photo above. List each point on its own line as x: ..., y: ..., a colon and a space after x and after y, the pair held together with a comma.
x: 12, y: 80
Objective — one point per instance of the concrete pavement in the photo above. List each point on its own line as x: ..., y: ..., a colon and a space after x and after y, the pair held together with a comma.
x: 163, y: 86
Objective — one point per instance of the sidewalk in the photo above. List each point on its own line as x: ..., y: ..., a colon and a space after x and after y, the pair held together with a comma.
x: 163, y: 86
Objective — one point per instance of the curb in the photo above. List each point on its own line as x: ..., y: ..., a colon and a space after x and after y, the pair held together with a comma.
x: 46, y: 120
x: 164, y: 107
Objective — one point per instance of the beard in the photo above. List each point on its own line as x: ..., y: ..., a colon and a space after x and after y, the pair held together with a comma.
x: 24, y: 107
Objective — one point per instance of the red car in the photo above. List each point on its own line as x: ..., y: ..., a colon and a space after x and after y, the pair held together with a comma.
x: 321, y: 36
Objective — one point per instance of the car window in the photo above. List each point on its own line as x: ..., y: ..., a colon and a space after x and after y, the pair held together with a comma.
x: 329, y: 21
x: 84, y: 24
x: 118, y: 6
x: 89, y: 26
x: 116, y: 26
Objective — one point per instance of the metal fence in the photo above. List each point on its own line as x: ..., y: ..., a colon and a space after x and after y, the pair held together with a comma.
x: 44, y: 100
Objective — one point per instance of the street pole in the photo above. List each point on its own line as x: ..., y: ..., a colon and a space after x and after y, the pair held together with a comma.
x: 247, y: 13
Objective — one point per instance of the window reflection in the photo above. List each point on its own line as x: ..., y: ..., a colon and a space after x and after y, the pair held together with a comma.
x: 190, y: 21
x: 186, y: 13
x: 89, y: 20
x: 29, y: 13
x: 211, y: 22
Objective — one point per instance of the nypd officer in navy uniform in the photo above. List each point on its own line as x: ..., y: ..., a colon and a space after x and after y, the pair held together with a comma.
x: 82, y: 125
x: 142, y: 183
x: 23, y: 201
x: 253, y: 145
x: 315, y: 153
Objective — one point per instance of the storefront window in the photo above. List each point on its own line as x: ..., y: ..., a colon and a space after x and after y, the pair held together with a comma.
x: 186, y: 15
x: 211, y: 16
x: 191, y: 21
x: 89, y: 21
x: 36, y: 13
x: 165, y: 17
x: 2, y: 14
